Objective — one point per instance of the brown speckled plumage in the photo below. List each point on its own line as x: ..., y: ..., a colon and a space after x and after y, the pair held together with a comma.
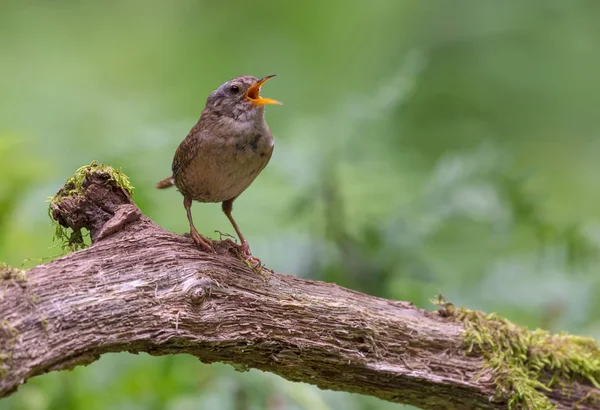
x: 224, y: 152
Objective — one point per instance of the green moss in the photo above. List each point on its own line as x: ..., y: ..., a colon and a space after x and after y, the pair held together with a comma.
x: 71, y: 239
x: 525, y: 363
x: 9, y: 273
x: 8, y: 337
x: 44, y: 322
x: 74, y: 239
x: 242, y: 368
x: 8, y: 334
x: 74, y: 185
x: 590, y: 399
x: 3, y: 366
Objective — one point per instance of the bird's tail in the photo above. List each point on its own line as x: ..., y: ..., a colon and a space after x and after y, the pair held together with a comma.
x: 165, y: 183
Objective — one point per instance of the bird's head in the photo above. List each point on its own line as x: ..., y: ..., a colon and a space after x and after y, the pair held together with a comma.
x: 240, y: 97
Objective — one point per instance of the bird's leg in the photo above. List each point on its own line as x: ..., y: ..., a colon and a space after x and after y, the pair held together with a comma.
x: 243, y: 247
x: 196, y: 237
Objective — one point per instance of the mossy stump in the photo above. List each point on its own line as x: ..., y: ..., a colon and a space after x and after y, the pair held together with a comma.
x: 87, y: 200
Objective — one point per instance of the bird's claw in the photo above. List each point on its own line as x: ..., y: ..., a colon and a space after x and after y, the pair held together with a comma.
x: 202, y: 241
x: 254, y: 263
x: 243, y: 250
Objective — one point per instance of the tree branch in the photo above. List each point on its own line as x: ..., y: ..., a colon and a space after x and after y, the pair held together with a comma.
x: 142, y: 289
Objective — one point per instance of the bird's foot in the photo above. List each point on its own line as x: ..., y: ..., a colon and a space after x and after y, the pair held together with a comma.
x: 243, y: 251
x: 202, y: 241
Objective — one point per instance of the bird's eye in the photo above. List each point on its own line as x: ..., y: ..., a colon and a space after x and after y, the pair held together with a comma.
x: 234, y: 89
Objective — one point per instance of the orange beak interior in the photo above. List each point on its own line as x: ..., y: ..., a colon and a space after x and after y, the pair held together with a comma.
x: 253, y: 93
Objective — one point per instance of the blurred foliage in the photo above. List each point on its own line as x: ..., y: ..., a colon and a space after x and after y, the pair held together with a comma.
x: 423, y: 147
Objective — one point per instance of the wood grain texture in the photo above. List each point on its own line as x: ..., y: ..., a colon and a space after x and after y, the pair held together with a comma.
x: 140, y: 288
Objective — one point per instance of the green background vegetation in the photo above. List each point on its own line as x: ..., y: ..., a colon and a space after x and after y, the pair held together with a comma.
x: 424, y: 147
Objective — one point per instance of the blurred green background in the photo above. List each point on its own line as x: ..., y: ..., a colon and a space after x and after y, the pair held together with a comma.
x: 424, y: 147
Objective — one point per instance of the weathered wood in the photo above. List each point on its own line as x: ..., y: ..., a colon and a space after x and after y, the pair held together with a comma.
x: 140, y: 288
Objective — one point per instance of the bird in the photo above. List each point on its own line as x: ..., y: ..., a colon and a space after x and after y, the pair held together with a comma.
x: 223, y: 154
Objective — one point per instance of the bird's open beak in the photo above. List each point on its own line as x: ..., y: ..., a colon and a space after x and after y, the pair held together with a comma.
x: 253, y: 93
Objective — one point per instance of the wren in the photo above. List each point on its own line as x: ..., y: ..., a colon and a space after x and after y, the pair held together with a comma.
x: 223, y: 153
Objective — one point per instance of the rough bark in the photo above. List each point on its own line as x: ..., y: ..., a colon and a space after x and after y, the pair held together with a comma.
x: 140, y: 288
